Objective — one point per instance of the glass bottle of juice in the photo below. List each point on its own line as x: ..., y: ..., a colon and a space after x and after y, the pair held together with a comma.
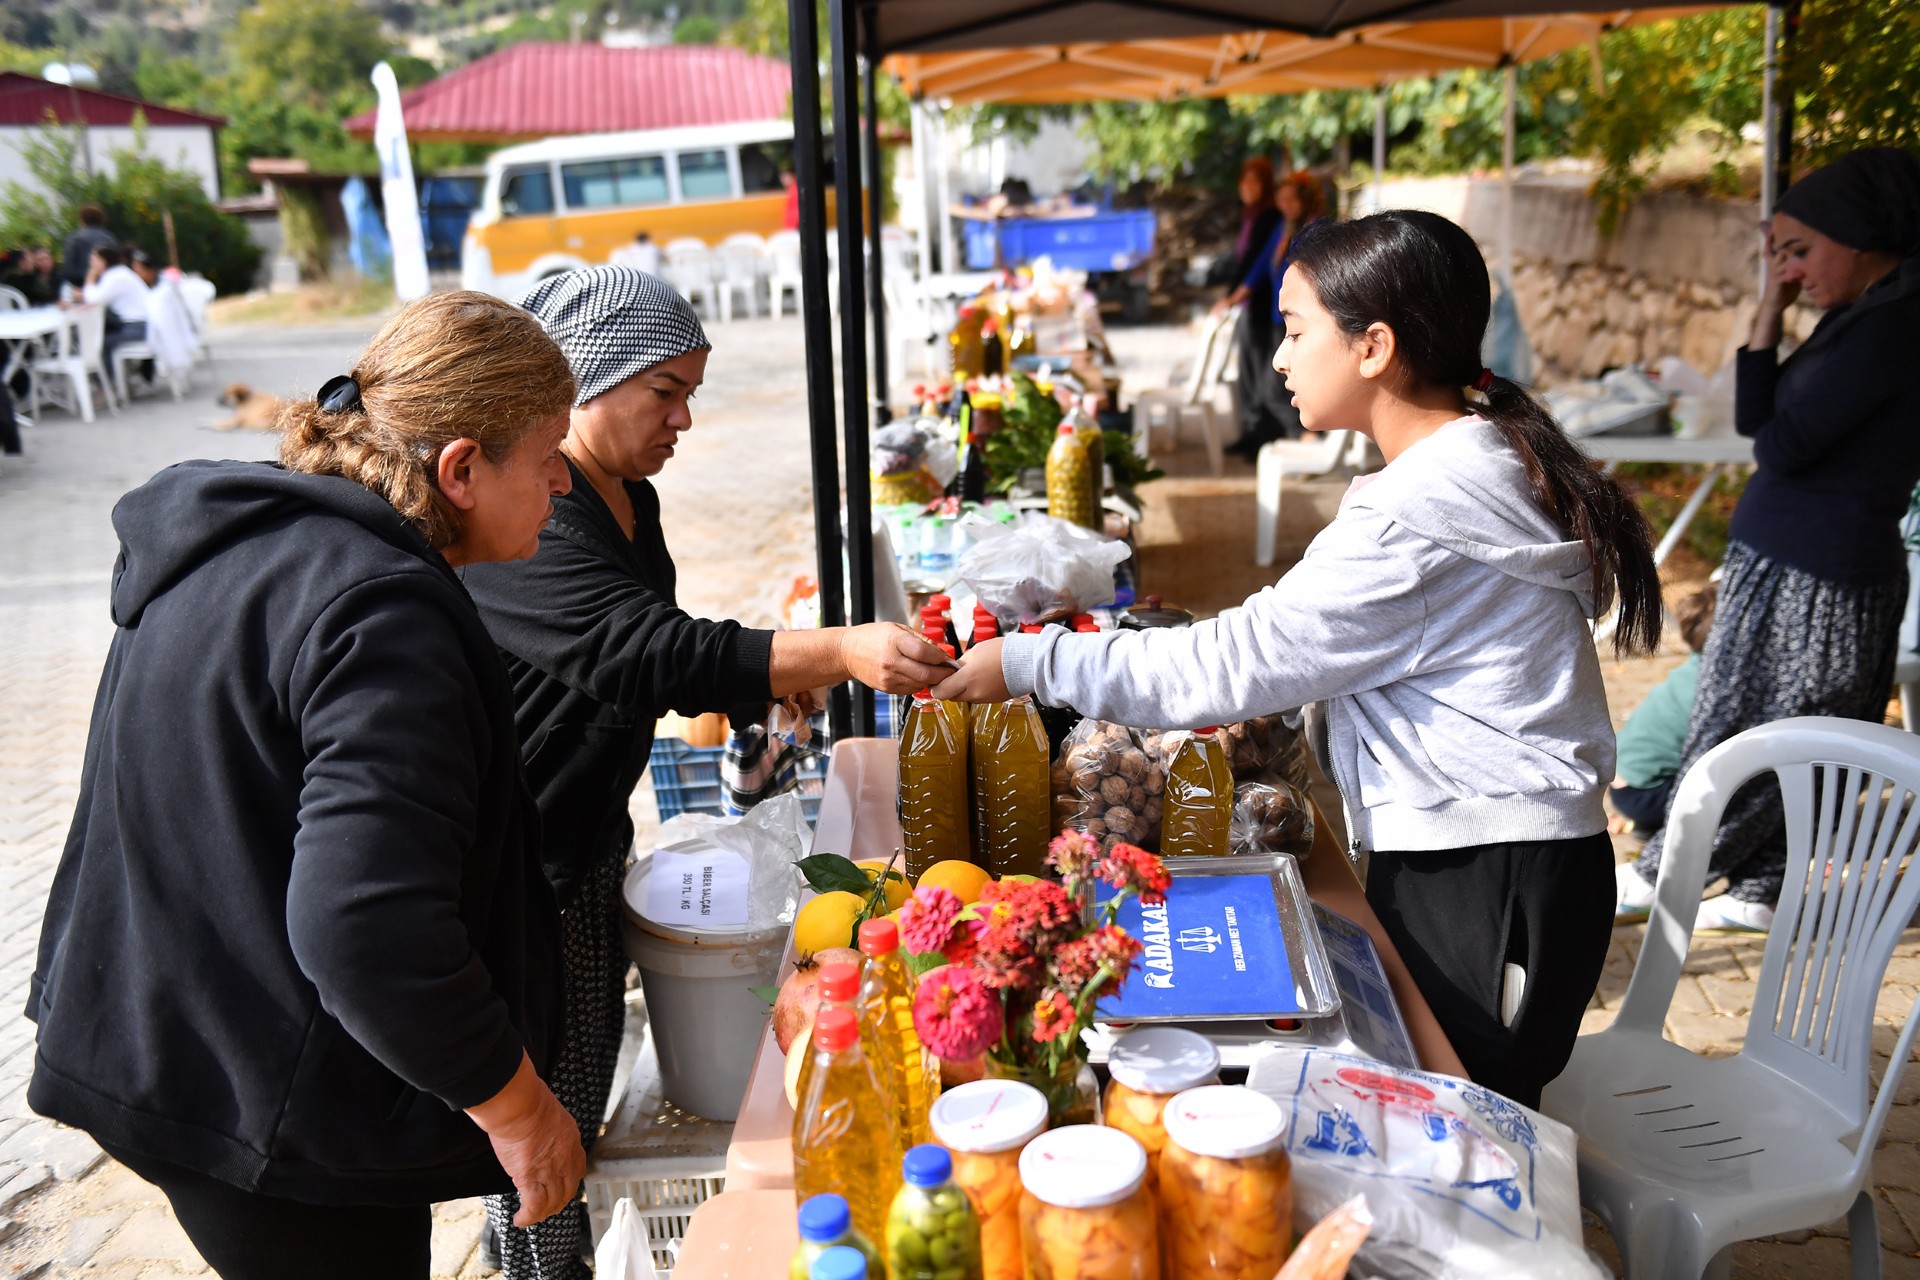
x: 843, y: 1138
x: 842, y: 1263
x: 1085, y: 1211
x: 1068, y: 488
x: 1198, y: 811
x: 932, y: 1231
x: 886, y: 1021
x: 825, y: 1221
x: 1148, y: 1067
x: 933, y: 784
x: 985, y: 1125
x: 1226, y: 1185
x: 1086, y: 429
x: 1018, y: 820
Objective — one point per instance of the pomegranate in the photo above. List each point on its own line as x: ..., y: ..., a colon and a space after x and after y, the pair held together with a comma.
x: 800, y: 993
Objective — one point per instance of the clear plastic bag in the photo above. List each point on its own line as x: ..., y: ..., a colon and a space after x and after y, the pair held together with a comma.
x: 1041, y: 569
x: 1270, y: 817
x: 768, y: 840
x: 625, y: 1252
x: 1110, y: 782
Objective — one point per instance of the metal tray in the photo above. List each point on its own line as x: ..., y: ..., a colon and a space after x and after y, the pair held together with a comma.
x: 1198, y: 932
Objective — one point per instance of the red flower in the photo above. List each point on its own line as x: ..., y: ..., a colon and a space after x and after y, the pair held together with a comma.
x: 1074, y: 854
x: 1007, y: 961
x: 1033, y: 909
x: 1052, y: 1017
x: 1128, y: 866
x: 1076, y: 964
x: 1116, y: 950
x: 954, y: 1014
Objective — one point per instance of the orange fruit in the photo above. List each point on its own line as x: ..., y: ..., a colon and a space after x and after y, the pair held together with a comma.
x: 962, y: 879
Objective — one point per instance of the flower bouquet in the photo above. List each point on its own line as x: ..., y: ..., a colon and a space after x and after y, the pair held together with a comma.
x: 1016, y: 975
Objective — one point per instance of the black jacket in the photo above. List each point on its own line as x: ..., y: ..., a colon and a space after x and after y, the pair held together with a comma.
x: 1836, y: 436
x: 299, y: 921
x: 597, y: 651
x: 74, y: 254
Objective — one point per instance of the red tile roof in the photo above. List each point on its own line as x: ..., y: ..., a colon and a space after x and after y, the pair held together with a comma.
x: 540, y: 90
x: 26, y: 100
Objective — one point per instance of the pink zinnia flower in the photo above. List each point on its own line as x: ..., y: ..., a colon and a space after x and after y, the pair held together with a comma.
x: 928, y: 917
x: 1074, y: 854
x: 954, y: 1014
x: 1052, y: 1017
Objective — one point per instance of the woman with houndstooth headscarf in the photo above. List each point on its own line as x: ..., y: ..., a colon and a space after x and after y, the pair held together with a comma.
x: 598, y: 650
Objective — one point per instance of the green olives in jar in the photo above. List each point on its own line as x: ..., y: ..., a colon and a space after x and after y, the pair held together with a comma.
x: 932, y: 1230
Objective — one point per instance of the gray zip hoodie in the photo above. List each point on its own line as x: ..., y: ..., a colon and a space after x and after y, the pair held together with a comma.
x: 1444, y: 621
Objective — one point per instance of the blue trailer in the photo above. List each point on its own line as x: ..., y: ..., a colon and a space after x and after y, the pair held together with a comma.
x: 1111, y: 240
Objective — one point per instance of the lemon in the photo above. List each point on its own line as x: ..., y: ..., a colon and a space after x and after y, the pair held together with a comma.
x: 963, y: 879
x: 898, y: 889
x: 796, y: 1059
x: 826, y: 922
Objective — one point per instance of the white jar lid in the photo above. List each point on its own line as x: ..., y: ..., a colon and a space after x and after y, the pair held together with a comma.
x: 1228, y: 1122
x: 1083, y: 1166
x: 1163, y: 1060
x: 988, y: 1115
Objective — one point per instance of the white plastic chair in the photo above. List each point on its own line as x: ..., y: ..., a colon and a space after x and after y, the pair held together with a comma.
x: 1279, y: 459
x: 1683, y: 1156
x: 742, y: 264
x: 1189, y: 391
x: 11, y: 299
x: 170, y: 342
x: 783, y: 252
x: 198, y: 293
x: 689, y: 269
x: 78, y: 357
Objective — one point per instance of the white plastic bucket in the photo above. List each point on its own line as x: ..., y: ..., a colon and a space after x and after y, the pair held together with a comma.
x: 706, y: 1020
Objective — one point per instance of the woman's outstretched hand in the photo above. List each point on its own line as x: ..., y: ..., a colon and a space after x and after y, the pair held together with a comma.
x: 888, y: 657
x: 536, y: 1142
x: 979, y: 679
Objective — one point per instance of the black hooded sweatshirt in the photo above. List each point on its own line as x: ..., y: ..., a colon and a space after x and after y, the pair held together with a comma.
x: 300, y: 921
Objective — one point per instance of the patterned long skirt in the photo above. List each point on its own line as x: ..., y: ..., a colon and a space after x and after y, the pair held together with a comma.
x: 595, y: 972
x: 1784, y: 643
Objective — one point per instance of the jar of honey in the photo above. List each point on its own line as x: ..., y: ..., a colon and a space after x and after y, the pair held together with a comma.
x: 985, y: 1125
x: 1226, y: 1185
x: 1085, y: 1211
x: 1149, y: 1067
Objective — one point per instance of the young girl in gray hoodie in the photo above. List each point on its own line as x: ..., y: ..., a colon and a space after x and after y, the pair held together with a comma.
x: 1444, y: 622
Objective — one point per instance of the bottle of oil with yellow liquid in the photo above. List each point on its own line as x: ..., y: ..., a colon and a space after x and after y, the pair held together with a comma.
x: 910, y: 1075
x: 1197, y: 814
x: 844, y: 1139
x: 1014, y: 776
x: 934, y: 803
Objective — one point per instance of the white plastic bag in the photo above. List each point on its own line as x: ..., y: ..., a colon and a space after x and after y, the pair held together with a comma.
x: 769, y: 839
x: 1463, y: 1183
x: 1042, y: 569
x: 624, y: 1252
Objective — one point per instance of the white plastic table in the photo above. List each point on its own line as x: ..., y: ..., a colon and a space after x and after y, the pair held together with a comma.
x: 20, y: 330
x: 1717, y: 453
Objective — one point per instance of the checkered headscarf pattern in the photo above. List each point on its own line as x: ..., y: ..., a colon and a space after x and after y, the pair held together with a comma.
x: 614, y: 322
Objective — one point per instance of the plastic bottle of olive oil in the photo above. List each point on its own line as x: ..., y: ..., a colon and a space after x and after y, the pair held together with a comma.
x: 1198, y: 810
x: 1019, y: 814
x: 933, y: 783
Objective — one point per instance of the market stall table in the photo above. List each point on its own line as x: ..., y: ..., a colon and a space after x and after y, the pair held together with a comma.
x: 747, y: 1233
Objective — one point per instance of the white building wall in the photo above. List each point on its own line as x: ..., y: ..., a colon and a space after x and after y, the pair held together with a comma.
x: 187, y: 147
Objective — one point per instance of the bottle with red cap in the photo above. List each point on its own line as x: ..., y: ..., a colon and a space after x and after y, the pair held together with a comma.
x: 934, y: 808
x: 1197, y: 815
x: 911, y: 1075
x: 843, y: 1132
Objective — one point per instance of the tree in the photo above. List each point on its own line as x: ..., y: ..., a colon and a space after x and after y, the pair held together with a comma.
x: 1854, y: 70
x: 697, y: 28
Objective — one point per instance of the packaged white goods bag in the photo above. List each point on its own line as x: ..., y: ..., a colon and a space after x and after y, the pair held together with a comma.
x: 1463, y: 1184
x: 1042, y: 569
x: 625, y: 1253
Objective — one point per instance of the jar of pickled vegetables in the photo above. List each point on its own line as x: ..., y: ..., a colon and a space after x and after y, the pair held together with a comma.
x: 1085, y: 1211
x: 985, y: 1125
x: 932, y: 1230
x: 1149, y: 1067
x: 826, y: 1221
x: 1226, y: 1185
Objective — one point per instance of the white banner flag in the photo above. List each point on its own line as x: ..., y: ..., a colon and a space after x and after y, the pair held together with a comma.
x: 397, y: 190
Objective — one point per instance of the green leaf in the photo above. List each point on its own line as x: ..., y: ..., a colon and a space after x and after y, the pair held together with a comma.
x: 829, y: 872
x: 768, y: 994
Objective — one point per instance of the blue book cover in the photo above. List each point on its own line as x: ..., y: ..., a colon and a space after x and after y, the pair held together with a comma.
x: 1214, y: 950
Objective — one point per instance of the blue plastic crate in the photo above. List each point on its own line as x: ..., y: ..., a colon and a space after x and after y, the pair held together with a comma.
x: 685, y: 779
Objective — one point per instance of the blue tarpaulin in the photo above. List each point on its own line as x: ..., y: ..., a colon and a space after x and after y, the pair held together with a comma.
x: 367, y: 243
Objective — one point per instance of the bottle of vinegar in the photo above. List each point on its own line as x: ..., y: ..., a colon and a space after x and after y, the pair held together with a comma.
x: 1198, y: 811
x: 843, y: 1134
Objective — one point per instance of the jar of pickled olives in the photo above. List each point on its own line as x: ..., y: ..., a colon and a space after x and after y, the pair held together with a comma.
x: 1226, y: 1185
x: 932, y: 1230
x: 1149, y: 1067
x: 1085, y: 1211
x: 985, y: 1124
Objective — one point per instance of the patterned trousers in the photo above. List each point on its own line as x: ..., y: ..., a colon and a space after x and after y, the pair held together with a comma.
x: 1784, y: 643
x: 595, y: 972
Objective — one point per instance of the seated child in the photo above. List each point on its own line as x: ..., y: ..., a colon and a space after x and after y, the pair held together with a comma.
x: 1651, y: 739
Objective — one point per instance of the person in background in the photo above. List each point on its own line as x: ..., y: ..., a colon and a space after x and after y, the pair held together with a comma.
x: 76, y: 254
x: 642, y: 255
x: 1815, y: 580
x: 299, y: 967
x: 30, y: 271
x: 1253, y: 335
x: 1259, y: 215
x: 1651, y: 740
x: 598, y: 650
x: 116, y: 286
x: 1301, y: 201
x: 143, y: 265
x: 790, y: 211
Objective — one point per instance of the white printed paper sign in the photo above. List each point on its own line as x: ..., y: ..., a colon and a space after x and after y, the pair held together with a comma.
x: 705, y: 890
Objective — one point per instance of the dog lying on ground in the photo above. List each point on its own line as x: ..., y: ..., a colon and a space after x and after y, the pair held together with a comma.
x: 252, y: 410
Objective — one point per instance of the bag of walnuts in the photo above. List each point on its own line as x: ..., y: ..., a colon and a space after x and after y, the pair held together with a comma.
x: 1270, y: 818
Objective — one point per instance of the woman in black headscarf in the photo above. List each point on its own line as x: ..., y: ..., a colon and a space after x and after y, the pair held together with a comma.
x: 1816, y: 576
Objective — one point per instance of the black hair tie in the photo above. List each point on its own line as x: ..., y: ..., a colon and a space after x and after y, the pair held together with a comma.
x: 340, y: 394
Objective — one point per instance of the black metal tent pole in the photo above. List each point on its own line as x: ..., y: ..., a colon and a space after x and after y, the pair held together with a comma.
x: 804, y: 36
x: 853, y: 329
x: 876, y: 257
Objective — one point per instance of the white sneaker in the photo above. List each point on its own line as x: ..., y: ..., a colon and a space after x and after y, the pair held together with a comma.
x: 1725, y: 913
x: 1633, y: 897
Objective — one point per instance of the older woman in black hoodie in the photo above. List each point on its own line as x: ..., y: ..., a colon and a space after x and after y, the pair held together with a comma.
x: 1816, y: 576
x: 598, y: 650
x: 300, y: 967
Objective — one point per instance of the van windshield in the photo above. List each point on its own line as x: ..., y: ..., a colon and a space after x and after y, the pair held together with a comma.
x: 704, y: 176
x: 526, y: 191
